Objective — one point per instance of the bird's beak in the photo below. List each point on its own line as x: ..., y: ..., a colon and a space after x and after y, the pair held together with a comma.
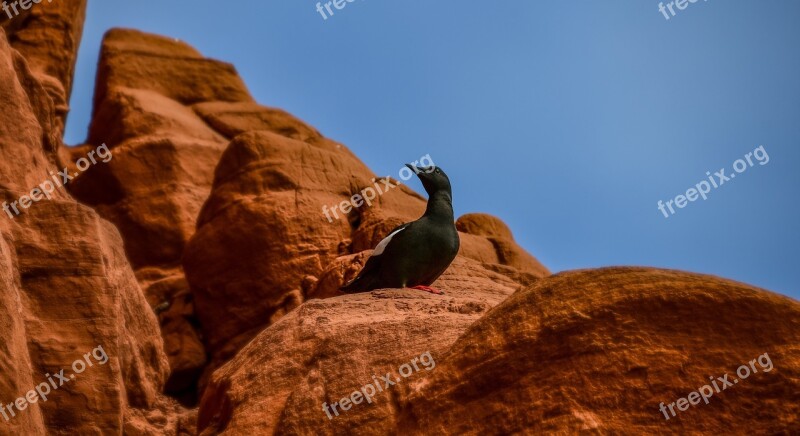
x: 420, y: 170
x: 413, y: 168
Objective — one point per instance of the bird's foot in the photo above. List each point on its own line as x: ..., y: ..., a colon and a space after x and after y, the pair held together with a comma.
x: 428, y: 289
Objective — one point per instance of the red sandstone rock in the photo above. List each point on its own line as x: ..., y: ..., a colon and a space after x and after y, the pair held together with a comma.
x: 164, y: 153
x: 168, y: 113
x: 593, y: 350
x: 232, y: 119
x: 599, y: 350
x: 66, y: 288
x: 169, y: 295
x: 263, y: 232
x: 327, y: 348
x: 48, y: 35
x: 161, y: 172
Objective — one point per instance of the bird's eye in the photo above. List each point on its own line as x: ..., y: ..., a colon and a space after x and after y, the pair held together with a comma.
x: 437, y: 171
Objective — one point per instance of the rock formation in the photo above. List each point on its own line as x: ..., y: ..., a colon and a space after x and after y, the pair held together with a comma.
x: 262, y: 240
x: 66, y: 286
x: 599, y: 350
x: 161, y: 173
x: 583, y: 351
x: 329, y: 347
x: 209, y: 223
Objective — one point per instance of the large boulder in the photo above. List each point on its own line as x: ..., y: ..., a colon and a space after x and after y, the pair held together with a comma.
x: 600, y: 351
x: 327, y: 348
x: 164, y: 153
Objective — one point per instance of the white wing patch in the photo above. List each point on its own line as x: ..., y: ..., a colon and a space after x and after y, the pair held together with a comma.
x: 382, y: 245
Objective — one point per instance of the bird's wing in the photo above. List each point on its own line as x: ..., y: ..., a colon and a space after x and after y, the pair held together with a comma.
x: 385, y: 242
x: 361, y: 282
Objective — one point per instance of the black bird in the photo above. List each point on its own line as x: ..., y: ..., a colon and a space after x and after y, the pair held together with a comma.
x: 415, y: 254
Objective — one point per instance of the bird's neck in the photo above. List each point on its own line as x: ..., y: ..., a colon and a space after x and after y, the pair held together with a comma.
x: 440, y: 206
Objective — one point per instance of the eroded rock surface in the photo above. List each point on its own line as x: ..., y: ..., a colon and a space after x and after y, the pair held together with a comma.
x: 260, y: 240
x: 66, y: 287
x: 264, y: 241
x: 328, y: 348
x: 47, y: 35
x: 584, y: 351
x: 164, y: 155
x: 599, y: 350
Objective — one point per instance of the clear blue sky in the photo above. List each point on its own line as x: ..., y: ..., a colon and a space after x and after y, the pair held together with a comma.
x: 570, y: 120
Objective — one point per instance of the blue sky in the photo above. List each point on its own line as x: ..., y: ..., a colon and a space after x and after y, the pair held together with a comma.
x: 570, y: 120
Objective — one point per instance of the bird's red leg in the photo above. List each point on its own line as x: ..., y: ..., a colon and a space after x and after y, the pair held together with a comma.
x: 428, y: 289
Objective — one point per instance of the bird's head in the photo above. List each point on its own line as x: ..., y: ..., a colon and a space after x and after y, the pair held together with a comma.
x: 433, y: 178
